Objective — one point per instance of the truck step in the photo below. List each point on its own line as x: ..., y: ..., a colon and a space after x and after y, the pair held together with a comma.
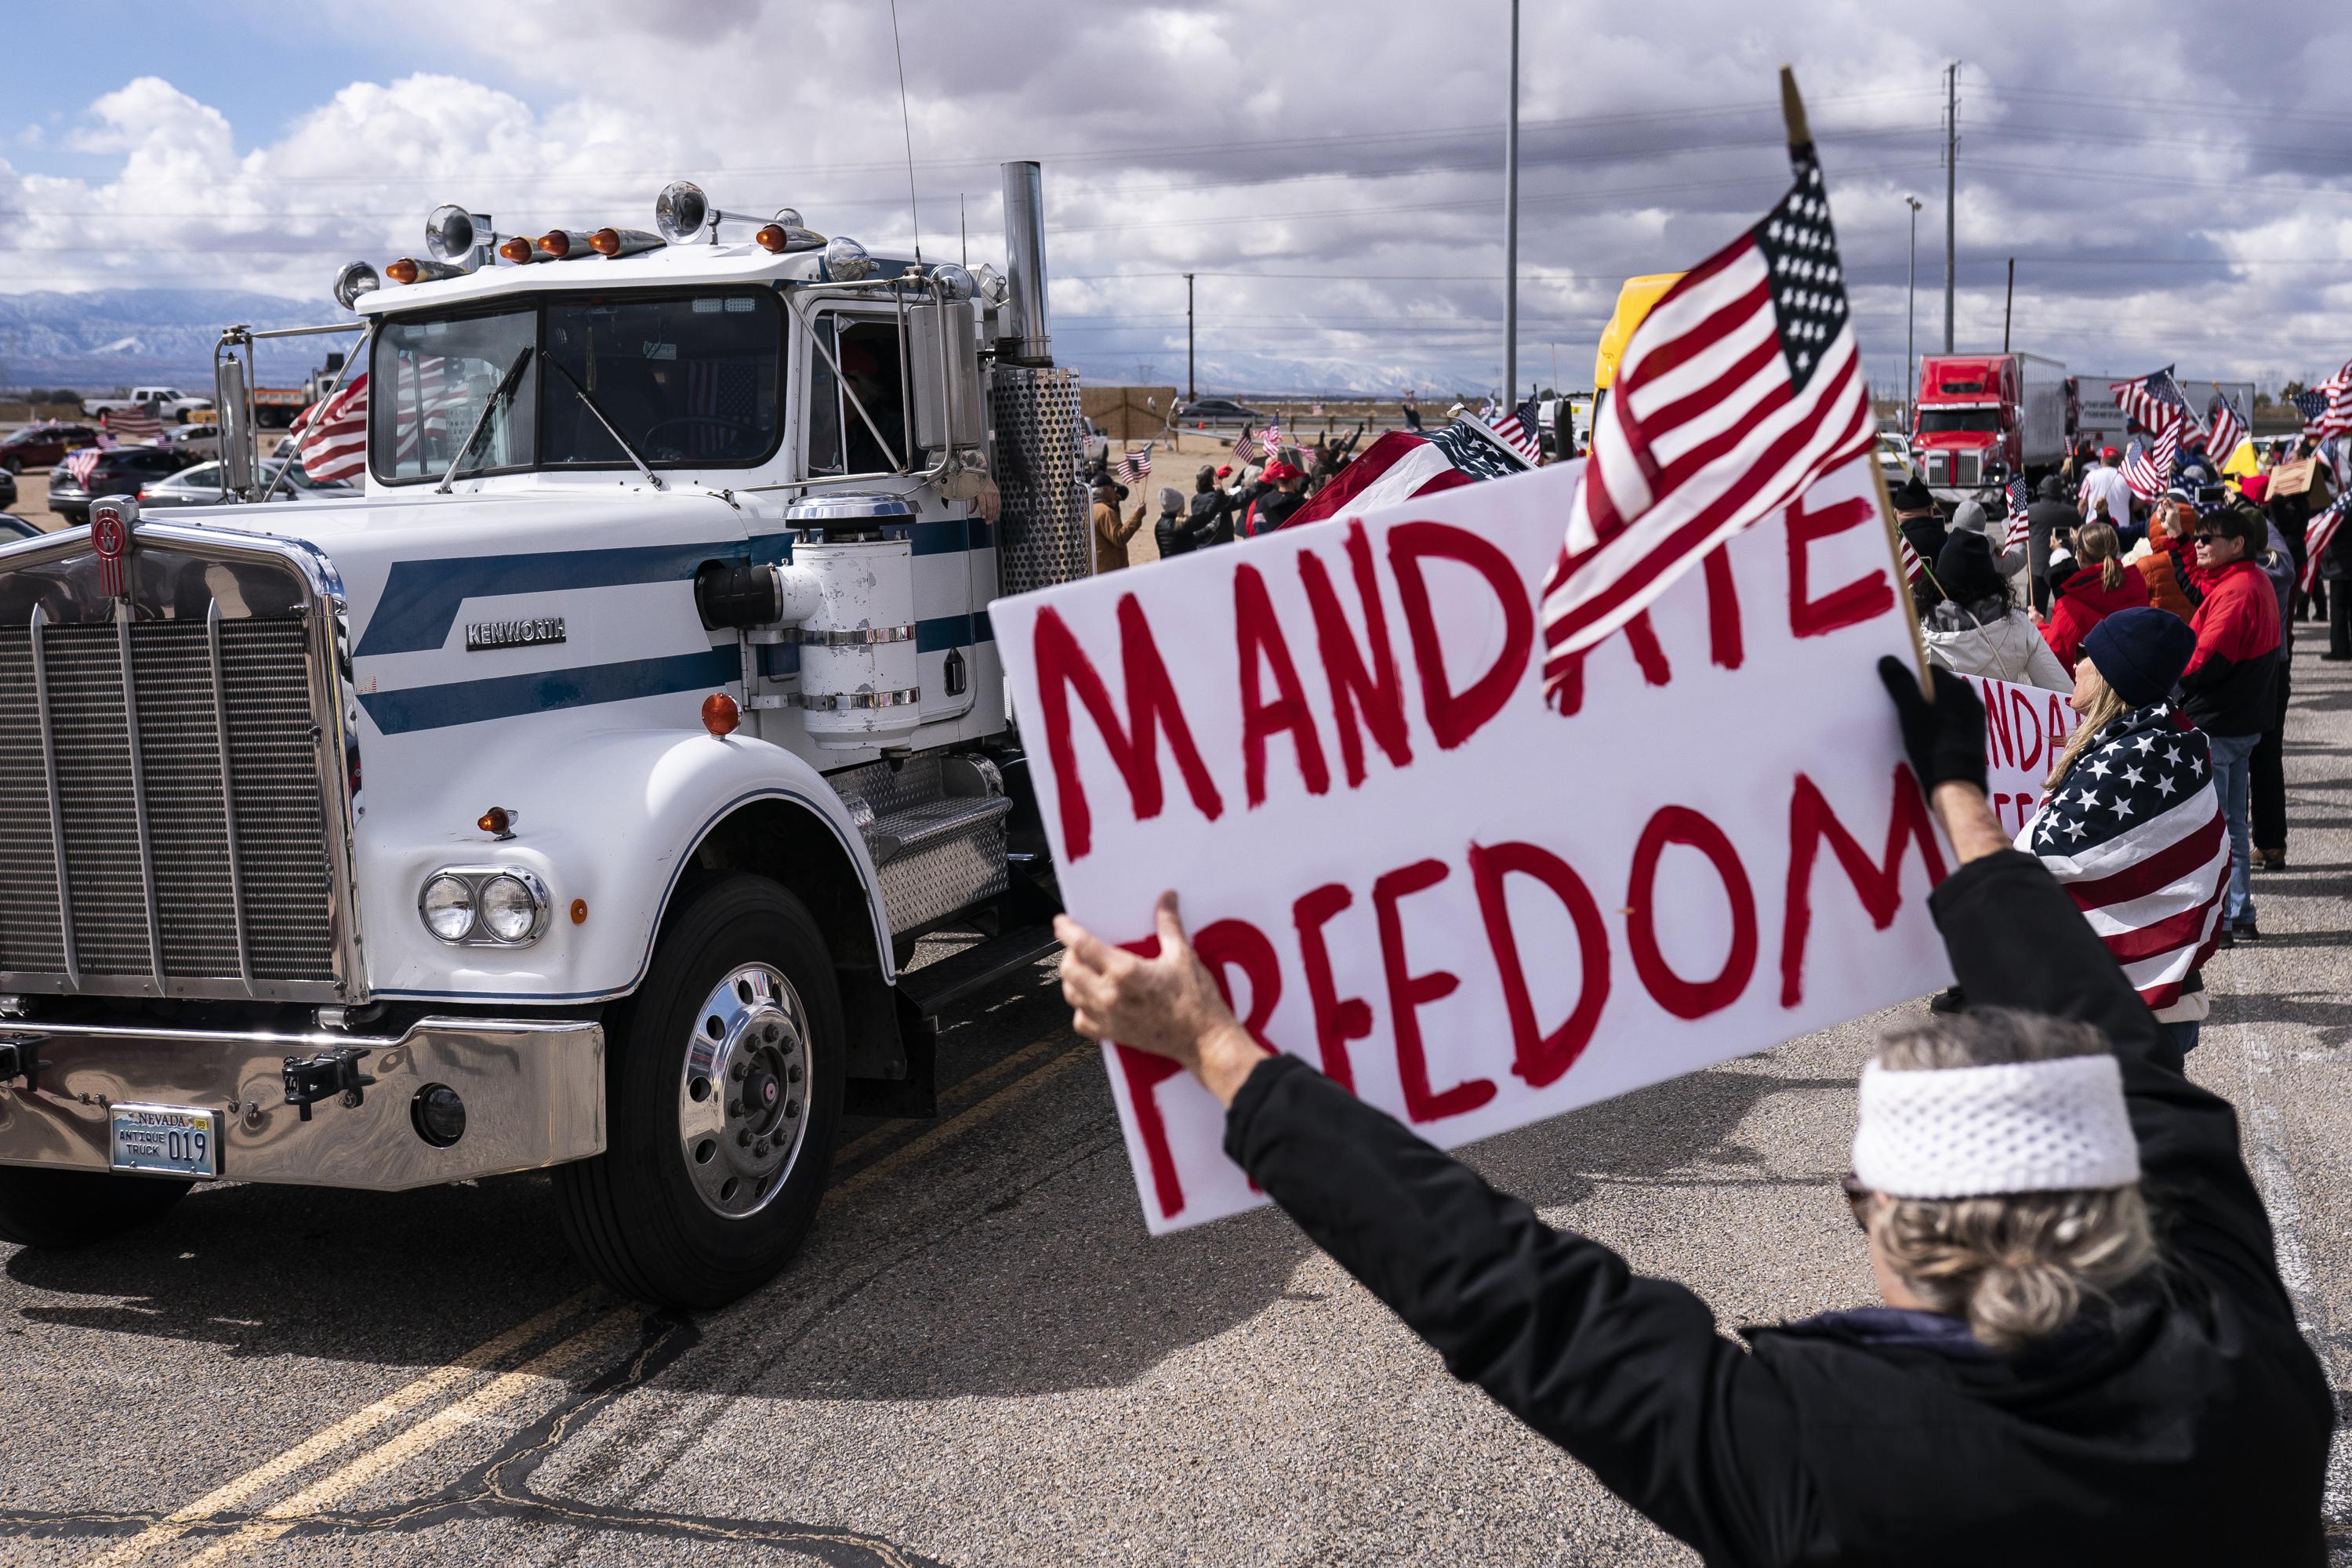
x: 935, y: 987
x: 914, y: 829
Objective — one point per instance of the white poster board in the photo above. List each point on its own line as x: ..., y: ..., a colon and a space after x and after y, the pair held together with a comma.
x: 1472, y: 908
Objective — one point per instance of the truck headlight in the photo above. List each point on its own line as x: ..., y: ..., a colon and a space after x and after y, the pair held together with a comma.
x: 510, y: 912
x: 483, y: 906
x: 447, y: 905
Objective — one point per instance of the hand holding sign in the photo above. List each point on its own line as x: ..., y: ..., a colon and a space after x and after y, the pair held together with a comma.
x: 1167, y: 1003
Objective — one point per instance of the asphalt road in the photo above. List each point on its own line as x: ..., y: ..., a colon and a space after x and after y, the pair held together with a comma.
x: 980, y: 1358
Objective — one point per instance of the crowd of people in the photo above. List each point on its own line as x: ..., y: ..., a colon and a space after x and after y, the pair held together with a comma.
x: 1230, y: 501
x: 2225, y: 556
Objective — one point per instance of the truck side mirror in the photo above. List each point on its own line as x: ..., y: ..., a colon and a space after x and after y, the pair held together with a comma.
x: 943, y: 365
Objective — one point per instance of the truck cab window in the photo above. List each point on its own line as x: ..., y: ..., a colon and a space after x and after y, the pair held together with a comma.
x: 824, y: 401
x: 429, y: 384
x: 1932, y: 420
x: 873, y: 362
x: 690, y: 380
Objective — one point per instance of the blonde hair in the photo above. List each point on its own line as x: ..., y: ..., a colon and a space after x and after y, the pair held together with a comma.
x: 2097, y: 542
x: 2107, y: 707
x: 2018, y: 1268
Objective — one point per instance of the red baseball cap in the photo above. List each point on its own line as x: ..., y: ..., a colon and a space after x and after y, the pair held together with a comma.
x: 1223, y: 469
x: 2255, y: 486
x: 2109, y: 452
x: 1279, y: 470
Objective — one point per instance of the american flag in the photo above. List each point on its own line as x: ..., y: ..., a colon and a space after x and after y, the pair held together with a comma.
x: 1912, y: 568
x: 2134, y: 834
x: 2018, y: 530
x: 1742, y: 387
x: 140, y: 422
x: 1250, y: 447
x: 1133, y: 466
x: 1403, y: 464
x: 1517, y: 430
x: 2228, y: 427
x: 2318, y: 534
x: 2149, y: 469
x: 333, y: 433
x: 2327, y: 407
x: 78, y: 465
x: 2154, y: 400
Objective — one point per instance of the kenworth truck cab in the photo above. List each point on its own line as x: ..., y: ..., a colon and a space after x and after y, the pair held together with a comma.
x: 575, y: 796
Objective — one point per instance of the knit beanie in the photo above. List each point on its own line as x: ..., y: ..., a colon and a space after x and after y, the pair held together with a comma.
x: 1965, y: 569
x: 2140, y: 652
x: 1969, y: 517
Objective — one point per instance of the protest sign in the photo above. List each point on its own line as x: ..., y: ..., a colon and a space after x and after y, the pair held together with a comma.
x: 2025, y: 729
x: 1470, y: 909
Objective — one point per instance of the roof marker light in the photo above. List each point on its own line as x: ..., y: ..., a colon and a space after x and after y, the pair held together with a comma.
x: 624, y: 241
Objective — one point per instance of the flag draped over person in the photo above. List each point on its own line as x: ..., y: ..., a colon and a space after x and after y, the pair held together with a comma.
x: 1742, y: 387
x: 2137, y: 839
x: 331, y: 434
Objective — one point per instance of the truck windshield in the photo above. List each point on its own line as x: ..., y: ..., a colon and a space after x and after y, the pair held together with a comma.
x: 689, y: 380
x: 429, y: 384
x: 1933, y: 419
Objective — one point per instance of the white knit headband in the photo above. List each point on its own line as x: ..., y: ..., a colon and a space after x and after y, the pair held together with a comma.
x: 2021, y: 1127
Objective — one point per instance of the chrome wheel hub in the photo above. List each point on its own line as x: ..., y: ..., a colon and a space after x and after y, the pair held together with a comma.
x: 743, y: 1097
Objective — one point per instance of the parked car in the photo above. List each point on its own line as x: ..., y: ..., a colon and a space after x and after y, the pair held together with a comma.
x: 119, y: 471
x: 201, y: 486
x: 170, y: 402
x: 13, y: 529
x: 7, y: 490
x: 1894, y: 457
x: 1215, y: 410
x: 38, y: 445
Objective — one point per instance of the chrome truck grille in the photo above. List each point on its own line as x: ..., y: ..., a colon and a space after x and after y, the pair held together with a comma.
x: 165, y: 824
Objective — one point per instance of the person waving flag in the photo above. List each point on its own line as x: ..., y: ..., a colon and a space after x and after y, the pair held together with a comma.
x: 1742, y: 387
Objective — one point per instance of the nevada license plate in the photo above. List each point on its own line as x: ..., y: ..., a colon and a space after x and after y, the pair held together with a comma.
x: 167, y: 1140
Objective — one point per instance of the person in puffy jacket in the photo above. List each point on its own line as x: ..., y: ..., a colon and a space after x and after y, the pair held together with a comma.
x: 2042, y: 1387
x: 2171, y: 553
x: 2102, y: 586
x: 1171, y: 530
x: 1975, y: 630
x: 2227, y: 689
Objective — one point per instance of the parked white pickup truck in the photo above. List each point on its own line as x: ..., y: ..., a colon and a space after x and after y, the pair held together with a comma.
x: 170, y: 402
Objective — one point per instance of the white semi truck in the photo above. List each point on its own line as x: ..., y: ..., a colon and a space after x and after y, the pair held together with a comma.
x: 574, y: 796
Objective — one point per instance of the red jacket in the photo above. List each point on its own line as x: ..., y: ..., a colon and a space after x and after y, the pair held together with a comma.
x: 2226, y: 688
x: 2082, y: 601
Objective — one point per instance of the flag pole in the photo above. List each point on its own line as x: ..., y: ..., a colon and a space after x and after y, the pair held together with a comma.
x: 1801, y: 138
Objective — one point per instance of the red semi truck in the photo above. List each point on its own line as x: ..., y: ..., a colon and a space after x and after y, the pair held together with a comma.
x: 1983, y: 417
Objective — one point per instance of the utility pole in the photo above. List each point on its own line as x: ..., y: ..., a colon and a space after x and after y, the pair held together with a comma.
x: 1911, y: 313
x: 1192, y: 391
x: 2008, y: 301
x: 1511, y: 229
x: 1951, y: 187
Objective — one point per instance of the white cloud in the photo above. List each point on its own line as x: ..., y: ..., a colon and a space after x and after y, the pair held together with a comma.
x: 1251, y: 144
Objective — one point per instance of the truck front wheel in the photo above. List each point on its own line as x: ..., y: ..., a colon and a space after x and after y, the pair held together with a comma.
x: 60, y: 1209
x: 722, y: 1082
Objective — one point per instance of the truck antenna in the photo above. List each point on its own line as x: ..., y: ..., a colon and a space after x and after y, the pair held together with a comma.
x: 907, y: 126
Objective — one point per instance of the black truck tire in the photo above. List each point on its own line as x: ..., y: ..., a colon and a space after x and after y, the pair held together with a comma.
x: 57, y: 1210
x: 739, y: 1021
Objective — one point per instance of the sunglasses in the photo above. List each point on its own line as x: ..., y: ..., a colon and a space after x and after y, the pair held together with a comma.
x: 1857, y: 1200
x: 2212, y: 538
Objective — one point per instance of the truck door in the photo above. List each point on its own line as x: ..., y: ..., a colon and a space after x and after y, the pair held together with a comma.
x: 950, y: 549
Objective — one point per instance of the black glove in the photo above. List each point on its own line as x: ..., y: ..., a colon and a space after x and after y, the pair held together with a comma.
x: 1946, y: 738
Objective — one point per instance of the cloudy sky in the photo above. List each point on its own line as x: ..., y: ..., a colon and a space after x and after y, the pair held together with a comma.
x: 2172, y: 180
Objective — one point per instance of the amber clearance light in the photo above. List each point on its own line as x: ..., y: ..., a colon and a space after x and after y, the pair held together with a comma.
x: 772, y: 237
x: 403, y: 271
x: 516, y: 249
x: 556, y: 242
x: 720, y: 714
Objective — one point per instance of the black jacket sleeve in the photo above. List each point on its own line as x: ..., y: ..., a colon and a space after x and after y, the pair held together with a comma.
x: 2017, y: 941
x: 1625, y: 1373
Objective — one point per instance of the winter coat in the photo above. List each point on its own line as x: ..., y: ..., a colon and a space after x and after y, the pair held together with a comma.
x: 2166, y: 569
x: 1111, y: 536
x: 2284, y: 571
x: 2226, y: 689
x: 2188, y: 1421
x: 2003, y: 648
x: 1270, y: 510
x: 2046, y: 520
x: 1970, y: 517
x: 1173, y: 532
x: 1211, y: 519
x: 2082, y: 601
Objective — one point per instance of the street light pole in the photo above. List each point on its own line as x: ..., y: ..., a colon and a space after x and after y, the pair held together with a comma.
x: 1911, y: 313
x: 1192, y: 391
x: 1511, y: 230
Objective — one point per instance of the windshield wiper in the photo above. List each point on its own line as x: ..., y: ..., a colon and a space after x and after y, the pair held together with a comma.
x: 618, y: 441
x: 504, y: 390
